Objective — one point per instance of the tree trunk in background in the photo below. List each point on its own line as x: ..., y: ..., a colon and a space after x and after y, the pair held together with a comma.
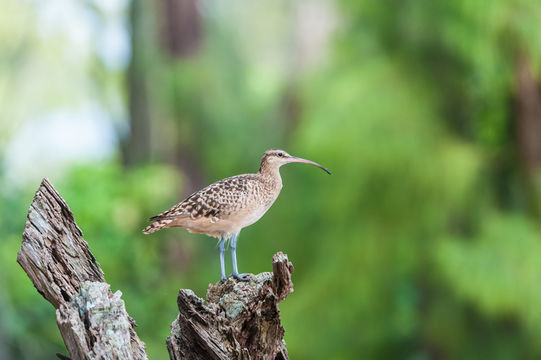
x: 528, y: 130
x: 311, y: 23
x: 181, y: 35
x: 291, y: 107
x: 136, y: 148
x: 181, y: 27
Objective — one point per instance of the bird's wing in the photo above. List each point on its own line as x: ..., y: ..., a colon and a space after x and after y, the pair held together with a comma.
x: 214, y: 201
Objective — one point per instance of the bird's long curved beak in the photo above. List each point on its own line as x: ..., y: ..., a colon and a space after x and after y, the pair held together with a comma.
x: 300, y: 160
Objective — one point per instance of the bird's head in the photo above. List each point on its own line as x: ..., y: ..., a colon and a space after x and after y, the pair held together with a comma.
x: 274, y: 158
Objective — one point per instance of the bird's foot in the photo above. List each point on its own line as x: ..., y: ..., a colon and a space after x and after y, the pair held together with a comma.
x: 242, y: 277
x: 223, y: 279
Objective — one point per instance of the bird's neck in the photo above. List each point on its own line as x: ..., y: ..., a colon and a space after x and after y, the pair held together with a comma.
x: 271, y: 174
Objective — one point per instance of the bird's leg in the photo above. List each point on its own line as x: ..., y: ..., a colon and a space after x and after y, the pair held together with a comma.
x: 235, y: 273
x: 221, y: 246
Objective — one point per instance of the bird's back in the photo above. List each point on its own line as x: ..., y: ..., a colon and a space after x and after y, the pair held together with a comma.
x: 222, y: 208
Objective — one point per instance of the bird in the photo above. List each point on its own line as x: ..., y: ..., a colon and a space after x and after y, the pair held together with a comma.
x: 224, y: 208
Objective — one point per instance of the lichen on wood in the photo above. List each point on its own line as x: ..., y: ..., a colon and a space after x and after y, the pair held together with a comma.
x: 92, y: 320
x: 95, y: 325
x: 238, y: 320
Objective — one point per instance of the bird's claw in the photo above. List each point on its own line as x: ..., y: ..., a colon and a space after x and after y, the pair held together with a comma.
x: 241, y: 277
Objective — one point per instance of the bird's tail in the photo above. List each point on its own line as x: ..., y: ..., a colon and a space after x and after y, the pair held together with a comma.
x: 157, y: 225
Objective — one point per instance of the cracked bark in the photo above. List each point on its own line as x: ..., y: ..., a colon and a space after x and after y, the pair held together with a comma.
x: 92, y: 320
x: 238, y: 320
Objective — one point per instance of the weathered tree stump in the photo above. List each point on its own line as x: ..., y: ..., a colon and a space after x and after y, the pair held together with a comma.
x: 93, y: 321
x: 240, y: 320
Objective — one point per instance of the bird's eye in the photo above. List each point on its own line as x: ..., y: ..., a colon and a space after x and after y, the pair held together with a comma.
x: 280, y: 154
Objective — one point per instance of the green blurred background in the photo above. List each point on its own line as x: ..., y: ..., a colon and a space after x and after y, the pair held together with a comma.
x: 425, y: 243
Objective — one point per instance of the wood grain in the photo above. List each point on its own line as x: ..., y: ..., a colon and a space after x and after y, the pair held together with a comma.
x: 92, y: 320
x: 238, y: 320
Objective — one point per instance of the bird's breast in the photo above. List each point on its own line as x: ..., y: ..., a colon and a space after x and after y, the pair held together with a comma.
x: 257, y: 209
x: 251, y: 216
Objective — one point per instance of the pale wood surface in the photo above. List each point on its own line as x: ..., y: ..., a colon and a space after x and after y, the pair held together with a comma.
x: 92, y: 320
x: 238, y: 320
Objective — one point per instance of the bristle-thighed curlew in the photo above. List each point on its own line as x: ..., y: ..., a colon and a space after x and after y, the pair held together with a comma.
x: 223, y: 208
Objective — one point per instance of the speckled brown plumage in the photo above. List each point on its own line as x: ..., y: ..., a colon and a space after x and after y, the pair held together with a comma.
x: 220, y: 202
x: 226, y: 206
x: 222, y: 209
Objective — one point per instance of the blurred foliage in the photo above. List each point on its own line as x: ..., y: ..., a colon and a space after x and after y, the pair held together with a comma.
x: 419, y: 245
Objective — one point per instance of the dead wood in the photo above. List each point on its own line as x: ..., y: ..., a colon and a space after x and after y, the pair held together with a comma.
x: 238, y: 320
x: 92, y: 320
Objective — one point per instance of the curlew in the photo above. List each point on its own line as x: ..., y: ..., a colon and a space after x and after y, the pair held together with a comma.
x: 225, y: 207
